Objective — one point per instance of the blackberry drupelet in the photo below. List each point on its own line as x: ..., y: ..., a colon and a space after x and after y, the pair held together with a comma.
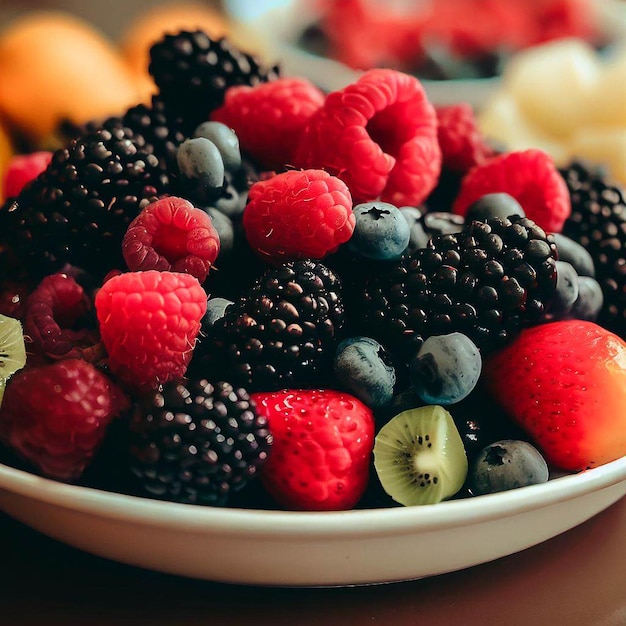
x: 193, y: 71
x: 598, y: 223
x: 77, y: 211
x: 488, y: 281
x: 196, y: 442
x: 281, y: 333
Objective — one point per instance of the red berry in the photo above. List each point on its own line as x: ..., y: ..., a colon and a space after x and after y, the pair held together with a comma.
x: 171, y: 235
x: 323, y: 441
x: 269, y: 118
x: 56, y: 416
x: 149, y: 322
x: 23, y: 168
x: 298, y: 215
x: 461, y: 142
x: 530, y: 176
x: 379, y: 135
x: 564, y: 383
x: 54, y: 320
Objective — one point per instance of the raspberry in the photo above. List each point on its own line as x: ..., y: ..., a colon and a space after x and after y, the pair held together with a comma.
x: 149, y: 322
x: 23, y: 168
x: 171, y: 235
x: 56, y: 416
x: 461, y: 142
x: 379, y: 135
x: 298, y: 215
x: 269, y: 118
x: 323, y: 440
x: 530, y: 176
x: 55, y: 320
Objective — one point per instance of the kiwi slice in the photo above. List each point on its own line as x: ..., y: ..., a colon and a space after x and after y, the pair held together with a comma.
x: 419, y: 456
x: 12, y: 349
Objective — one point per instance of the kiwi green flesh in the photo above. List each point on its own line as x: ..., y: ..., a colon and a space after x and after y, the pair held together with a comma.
x: 12, y: 349
x: 419, y: 456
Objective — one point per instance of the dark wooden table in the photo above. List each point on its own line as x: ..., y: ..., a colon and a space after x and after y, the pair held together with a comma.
x: 575, y: 579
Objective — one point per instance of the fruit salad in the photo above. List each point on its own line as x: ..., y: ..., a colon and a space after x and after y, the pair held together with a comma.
x: 253, y: 293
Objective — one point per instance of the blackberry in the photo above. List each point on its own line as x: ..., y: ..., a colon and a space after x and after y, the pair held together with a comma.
x: 598, y: 223
x: 77, y: 211
x: 282, y: 332
x: 196, y: 442
x: 193, y: 71
x: 161, y: 132
x: 488, y: 281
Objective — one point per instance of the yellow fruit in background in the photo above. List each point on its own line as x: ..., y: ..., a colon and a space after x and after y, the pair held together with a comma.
x: 553, y: 82
x: 501, y: 120
x: 150, y: 26
x: 604, y: 146
x: 607, y: 103
x: 55, y: 66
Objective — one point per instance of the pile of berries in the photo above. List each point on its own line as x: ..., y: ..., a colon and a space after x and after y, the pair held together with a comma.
x: 253, y: 293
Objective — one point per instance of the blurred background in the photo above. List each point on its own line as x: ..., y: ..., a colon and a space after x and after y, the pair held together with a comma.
x: 541, y: 73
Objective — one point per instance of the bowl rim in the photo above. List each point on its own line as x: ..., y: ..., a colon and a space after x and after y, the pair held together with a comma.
x: 115, y: 506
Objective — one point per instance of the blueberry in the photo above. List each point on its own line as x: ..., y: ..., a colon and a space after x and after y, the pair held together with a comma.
x: 201, y: 168
x: 446, y: 368
x: 418, y: 238
x: 442, y: 223
x: 226, y: 141
x: 575, y: 254
x: 590, y: 300
x: 363, y: 368
x: 566, y: 289
x: 500, y: 205
x: 215, y: 309
x: 231, y: 202
x: 380, y: 233
x: 225, y: 230
x: 507, y: 464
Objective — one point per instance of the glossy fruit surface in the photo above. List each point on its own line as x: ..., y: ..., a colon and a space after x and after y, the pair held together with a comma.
x: 323, y: 441
x: 564, y: 383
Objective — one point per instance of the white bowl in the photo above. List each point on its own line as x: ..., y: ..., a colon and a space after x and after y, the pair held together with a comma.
x: 308, y: 549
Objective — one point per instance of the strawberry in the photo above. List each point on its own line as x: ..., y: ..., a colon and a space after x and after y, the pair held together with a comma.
x: 564, y: 383
x: 323, y: 441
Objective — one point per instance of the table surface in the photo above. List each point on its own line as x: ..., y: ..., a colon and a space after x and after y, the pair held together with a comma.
x: 576, y: 579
